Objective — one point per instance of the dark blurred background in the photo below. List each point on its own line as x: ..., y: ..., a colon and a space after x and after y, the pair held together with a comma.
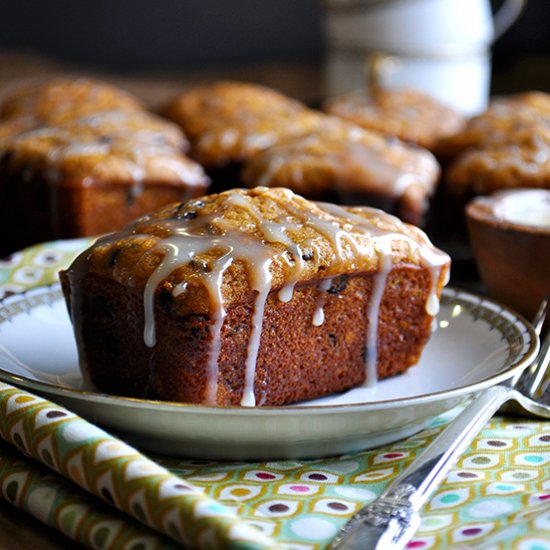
x: 165, y: 34
x: 129, y: 36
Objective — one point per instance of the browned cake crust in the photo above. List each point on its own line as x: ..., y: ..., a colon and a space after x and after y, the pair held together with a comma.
x: 513, y: 120
x: 505, y: 147
x: 228, y: 122
x: 508, y: 146
x: 346, y: 164
x: 171, y: 307
x: 482, y: 171
x: 410, y: 115
x: 88, y: 175
x: 62, y: 99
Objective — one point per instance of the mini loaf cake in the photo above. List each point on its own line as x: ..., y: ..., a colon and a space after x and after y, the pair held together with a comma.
x: 60, y: 99
x: 228, y: 122
x: 410, y: 115
x: 89, y: 175
x: 506, y: 147
x: 482, y: 171
x: 511, y: 120
x: 349, y: 165
x: 253, y: 297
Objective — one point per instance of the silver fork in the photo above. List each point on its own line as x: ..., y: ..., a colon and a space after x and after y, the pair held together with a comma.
x: 390, y: 521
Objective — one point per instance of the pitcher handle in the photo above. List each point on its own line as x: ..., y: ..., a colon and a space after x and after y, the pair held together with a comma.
x: 506, y: 15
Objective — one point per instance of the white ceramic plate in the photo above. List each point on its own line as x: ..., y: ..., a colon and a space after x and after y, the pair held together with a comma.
x: 476, y: 344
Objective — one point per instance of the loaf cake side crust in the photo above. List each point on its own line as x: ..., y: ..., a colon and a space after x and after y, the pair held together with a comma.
x: 296, y: 361
x: 76, y: 207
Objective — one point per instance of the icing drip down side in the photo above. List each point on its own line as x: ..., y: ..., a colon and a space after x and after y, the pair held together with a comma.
x: 278, y: 240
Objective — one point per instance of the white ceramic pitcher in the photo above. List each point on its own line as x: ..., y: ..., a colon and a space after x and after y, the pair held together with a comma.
x: 439, y: 46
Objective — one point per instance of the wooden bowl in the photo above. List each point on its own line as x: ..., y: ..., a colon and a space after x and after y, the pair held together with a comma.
x: 510, y: 236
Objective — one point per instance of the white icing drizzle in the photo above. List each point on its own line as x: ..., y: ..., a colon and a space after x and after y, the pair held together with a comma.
x: 373, y: 310
x: 261, y: 280
x: 432, y: 303
x: 276, y: 232
x: 191, y: 241
x: 213, y: 244
x: 319, y: 313
x: 429, y: 255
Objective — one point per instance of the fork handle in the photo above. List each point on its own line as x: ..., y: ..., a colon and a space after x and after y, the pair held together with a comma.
x: 397, y: 507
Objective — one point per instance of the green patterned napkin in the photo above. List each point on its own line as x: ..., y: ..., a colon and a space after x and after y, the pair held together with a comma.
x: 114, y: 472
x: 46, y: 495
x: 497, y: 496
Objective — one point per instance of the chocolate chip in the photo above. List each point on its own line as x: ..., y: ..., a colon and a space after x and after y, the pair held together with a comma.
x: 307, y: 256
x: 165, y: 297
x: 198, y: 332
x: 338, y: 284
x: 183, y: 214
x: 189, y: 215
x: 333, y: 339
x: 113, y: 257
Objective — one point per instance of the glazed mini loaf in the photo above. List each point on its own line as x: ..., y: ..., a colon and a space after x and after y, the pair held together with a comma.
x: 61, y: 99
x: 349, y: 165
x: 228, y: 122
x: 410, y: 115
x: 482, y: 171
x: 513, y: 120
x: 506, y: 147
x: 89, y: 175
x: 253, y: 297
